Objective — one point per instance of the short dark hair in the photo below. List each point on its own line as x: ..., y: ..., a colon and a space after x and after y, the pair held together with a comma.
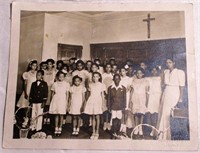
x: 30, y: 64
x: 95, y: 65
x: 59, y: 61
x: 65, y: 65
x: 97, y: 59
x: 140, y: 69
x: 76, y: 77
x: 100, y: 79
x: 116, y: 75
x: 43, y: 62
x: 40, y: 71
x: 50, y: 60
x: 60, y: 72
x: 89, y: 61
x: 80, y: 62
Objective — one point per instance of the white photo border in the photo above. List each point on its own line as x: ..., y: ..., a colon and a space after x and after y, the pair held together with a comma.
x: 9, y: 142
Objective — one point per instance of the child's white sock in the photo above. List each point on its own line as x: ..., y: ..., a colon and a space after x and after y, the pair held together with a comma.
x: 77, y: 129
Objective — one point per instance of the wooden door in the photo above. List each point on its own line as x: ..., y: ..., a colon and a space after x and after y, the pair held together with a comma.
x: 65, y: 52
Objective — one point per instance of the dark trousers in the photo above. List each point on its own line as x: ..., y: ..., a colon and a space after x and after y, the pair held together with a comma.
x: 116, y: 124
x: 106, y: 116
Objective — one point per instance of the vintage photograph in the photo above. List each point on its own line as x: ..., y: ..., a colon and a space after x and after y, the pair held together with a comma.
x: 87, y: 75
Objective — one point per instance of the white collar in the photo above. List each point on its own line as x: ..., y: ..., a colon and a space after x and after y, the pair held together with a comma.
x: 114, y: 86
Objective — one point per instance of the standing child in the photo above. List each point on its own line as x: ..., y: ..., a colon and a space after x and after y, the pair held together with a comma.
x: 84, y: 74
x: 43, y: 65
x: 37, y: 99
x: 116, y: 103
x: 94, y: 68
x: 49, y: 77
x: 81, y: 72
x: 76, y: 99
x: 29, y: 77
x: 139, y: 99
x: 68, y: 77
x: 154, y: 98
x: 126, y: 82
x: 88, y: 66
x: 94, y: 104
x: 59, y: 101
x: 59, y: 65
x: 98, y: 62
x: 107, y: 79
x: 114, y: 69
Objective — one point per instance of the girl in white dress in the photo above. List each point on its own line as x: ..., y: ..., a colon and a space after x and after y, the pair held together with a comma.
x: 81, y: 72
x: 76, y: 99
x: 29, y: 77
x: 94, y: 68
x: 107, y: 79
x: 59, y: 102
x: 49, y: 78
x: 174, y: 80
x: 154, y: 97
x: 94, y: 104
x: 126, y: 82
x: 139, y: 99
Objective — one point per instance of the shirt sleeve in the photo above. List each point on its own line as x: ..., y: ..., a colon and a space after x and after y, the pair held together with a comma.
x: 181, y: 78
x: 25, y: 75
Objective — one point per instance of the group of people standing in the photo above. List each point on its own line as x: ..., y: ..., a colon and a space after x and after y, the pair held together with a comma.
x: 120, y: 95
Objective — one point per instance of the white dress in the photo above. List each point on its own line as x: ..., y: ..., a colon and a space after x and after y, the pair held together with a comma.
x: 59, y: 101
x: 173, y: 80
x: 29, y: 77
x: 94, y: 103
x: 49, y: 77
x: 76, y: 93
x: 107, y: 79
x: 126, y: 82
x: 154, y: 94
x: 138, y: 98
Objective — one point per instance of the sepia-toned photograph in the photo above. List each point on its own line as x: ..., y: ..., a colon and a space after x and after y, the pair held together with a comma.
x: 119, y: 74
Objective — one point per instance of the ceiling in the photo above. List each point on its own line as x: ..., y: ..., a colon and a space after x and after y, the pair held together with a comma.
x: 94, y: 12
x: 30, y: 13
x: 87, y: 13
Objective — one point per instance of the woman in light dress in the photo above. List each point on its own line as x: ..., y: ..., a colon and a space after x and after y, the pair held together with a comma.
x: 174, y: 81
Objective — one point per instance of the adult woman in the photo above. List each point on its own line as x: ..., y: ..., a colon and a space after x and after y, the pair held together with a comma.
x: 174, y: 81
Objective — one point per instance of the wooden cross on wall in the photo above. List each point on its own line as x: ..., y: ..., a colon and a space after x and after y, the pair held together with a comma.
x: 148, y: 20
